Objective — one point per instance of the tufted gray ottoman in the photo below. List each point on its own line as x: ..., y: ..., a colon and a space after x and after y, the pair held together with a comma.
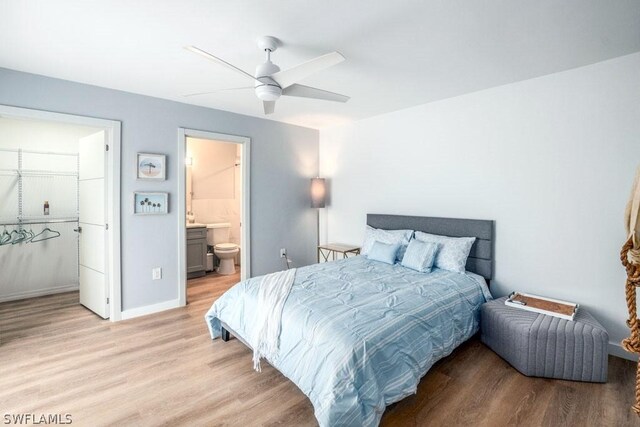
x: 544, y: 346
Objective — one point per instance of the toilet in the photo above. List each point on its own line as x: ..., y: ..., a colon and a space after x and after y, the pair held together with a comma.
x: 218, y: 238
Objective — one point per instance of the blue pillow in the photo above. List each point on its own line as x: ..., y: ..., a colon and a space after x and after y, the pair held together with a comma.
x: 390, y: 237
x: 420, y: 256
x: 383, y: 252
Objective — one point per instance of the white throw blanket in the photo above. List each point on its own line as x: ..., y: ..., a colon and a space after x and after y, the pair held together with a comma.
x: 272, y: 294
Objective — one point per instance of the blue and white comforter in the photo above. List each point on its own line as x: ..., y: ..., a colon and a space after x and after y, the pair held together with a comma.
x: 357, y: 335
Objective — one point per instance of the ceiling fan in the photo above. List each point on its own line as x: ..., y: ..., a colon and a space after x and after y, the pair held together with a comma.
x: 270, y: 83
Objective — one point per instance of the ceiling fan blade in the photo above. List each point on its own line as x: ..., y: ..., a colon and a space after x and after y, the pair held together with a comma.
x: 217, y: 91
x: 213, y: 58
x: 293, y: 75
x: 269, y: 106
x: 312, y: 92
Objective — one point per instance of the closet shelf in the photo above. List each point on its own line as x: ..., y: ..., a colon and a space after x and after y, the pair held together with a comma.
x: 22, y: 151
x: 35, y: 172
x: 28, y: 210
x: 46, y: 217
x: 38, y: 220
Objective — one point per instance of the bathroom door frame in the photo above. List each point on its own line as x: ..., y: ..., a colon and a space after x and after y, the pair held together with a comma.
x: 245, y: 211
x: 112, y: 193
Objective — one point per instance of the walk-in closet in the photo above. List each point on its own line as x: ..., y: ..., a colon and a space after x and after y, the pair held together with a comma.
x: 51, y: 210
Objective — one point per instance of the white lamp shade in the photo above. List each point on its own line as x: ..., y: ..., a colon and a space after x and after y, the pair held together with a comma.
x: 318, y: 192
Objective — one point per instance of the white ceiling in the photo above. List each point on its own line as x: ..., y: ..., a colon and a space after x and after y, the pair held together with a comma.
x: 399, y: 53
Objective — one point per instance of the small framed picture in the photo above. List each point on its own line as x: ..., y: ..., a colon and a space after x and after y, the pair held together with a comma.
x: 150, y: 203
x: 151, y: 166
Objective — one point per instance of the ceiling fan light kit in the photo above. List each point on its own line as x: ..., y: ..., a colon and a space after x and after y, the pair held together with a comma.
x: 270, y: 82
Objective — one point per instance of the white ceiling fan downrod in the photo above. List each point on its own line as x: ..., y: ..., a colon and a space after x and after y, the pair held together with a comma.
x: 266, y: 88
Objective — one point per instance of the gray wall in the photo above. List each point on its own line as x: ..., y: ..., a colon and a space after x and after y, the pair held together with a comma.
x: 283, y: 158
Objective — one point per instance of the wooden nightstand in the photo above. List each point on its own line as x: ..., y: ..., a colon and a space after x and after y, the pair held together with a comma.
x: 332, y: 249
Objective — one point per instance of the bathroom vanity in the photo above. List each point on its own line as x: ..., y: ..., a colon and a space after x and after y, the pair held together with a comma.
x: 196, y: 250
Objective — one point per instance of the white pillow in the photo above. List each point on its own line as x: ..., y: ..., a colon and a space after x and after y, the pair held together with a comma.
x: 389, y: 237
x: 453, y: 252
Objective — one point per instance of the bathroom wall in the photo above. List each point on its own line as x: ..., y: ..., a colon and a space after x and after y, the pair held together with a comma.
x: 215, y: 183
x: 39, y: 268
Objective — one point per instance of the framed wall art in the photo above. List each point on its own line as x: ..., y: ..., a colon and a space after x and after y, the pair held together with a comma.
x: 151, y: 166
x: 150, y: 203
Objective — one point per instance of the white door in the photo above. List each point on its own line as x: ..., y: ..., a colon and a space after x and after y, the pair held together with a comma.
x: 92, y: 230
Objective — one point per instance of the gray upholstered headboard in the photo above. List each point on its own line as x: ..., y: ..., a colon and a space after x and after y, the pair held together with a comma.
x: 480, y: 259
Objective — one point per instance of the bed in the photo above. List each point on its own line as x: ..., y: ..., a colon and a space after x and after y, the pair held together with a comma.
x: 357, y: 335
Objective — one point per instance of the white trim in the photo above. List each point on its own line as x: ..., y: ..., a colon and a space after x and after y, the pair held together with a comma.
x: 112, y: 130
x: 615, y: 349
x: 16, y: 112
x: 245, y: 217
x: 39, y: 292
x: 113, y: 219
x: 182, y: 217
x: 150, y: 309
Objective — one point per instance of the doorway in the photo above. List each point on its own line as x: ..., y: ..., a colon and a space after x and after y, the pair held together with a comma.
x: 60, y: 210
x: 214, y: 208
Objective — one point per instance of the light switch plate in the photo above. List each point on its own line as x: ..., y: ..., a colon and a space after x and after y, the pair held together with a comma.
x: 156, y: 273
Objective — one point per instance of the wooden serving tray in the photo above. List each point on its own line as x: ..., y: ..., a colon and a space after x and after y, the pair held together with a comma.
x: 537, y: 304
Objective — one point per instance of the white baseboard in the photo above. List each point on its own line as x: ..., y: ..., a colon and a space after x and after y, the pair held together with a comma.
x: 39, y: 292
x: 615, y: 349
x: 149, y: 309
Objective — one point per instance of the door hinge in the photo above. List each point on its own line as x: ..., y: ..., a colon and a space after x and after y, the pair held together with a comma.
x: 107, y: 300
x: 106, y: 226
x: 106, y: 147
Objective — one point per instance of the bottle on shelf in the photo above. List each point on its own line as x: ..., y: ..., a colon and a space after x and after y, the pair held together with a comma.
x: 46, y: 207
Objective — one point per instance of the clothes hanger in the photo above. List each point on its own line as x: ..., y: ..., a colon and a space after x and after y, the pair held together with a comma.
x: 12, y: 237
x: 22, y: 236
x: 5, y: 237
x: 37, y: 239
x: 30, y: 235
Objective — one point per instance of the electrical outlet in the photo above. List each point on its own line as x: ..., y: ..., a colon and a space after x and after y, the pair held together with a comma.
x: 283, y: 253
x: 156, y: 273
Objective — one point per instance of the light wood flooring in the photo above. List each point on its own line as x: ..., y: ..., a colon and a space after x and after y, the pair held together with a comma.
x: 57, y: 357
